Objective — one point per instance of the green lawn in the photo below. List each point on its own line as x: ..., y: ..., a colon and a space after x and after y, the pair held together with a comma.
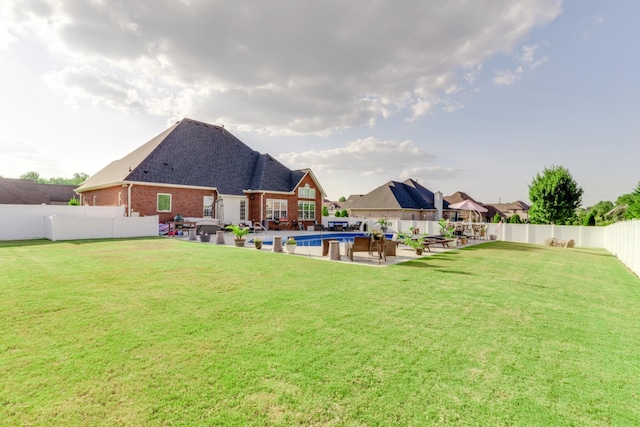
x: 165, y: 332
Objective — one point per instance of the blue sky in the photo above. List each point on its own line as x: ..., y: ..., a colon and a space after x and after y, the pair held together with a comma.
x: 462, y: 96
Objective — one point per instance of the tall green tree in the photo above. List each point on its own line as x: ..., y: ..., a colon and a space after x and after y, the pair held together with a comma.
x: 633, y: 204
x: 554, y: 196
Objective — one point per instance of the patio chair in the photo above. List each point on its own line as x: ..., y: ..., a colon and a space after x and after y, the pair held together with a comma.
x: 359, y: 244
x: 355, y: 227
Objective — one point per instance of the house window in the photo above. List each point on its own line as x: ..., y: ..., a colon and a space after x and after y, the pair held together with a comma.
x: 164, y: 202
x: 207, y: 209
x: 276, y: 209
x: 306, y: 192
x: 306, y: 210
x: 243, y: 210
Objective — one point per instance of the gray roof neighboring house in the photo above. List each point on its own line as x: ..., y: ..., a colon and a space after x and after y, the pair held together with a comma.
x: 396, y: 195
x: 196, y: 154
x: 27, y: 192
x: 460, y: 196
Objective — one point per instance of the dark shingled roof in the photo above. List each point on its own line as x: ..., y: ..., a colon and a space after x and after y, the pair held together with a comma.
x: 193, y: 153
x: 26, y: 192
x: 397, y: 195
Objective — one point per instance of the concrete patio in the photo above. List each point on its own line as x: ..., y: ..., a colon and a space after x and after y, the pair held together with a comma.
x: 404, y: 253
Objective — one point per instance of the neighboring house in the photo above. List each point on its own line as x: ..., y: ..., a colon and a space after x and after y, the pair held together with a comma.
x: 332, y: 207
x: 460, y: 196
x: 406, y: 200
x: 510, y: 209
x: 27, y: 192
x: 198, y: 170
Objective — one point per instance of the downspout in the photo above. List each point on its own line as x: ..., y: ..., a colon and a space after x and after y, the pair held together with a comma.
x: 262, y: 210
x: 129, y: 200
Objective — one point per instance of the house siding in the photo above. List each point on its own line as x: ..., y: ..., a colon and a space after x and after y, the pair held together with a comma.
x: 402, y: 214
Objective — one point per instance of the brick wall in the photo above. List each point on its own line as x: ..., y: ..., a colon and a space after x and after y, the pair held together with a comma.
x: 187, y: 202
x: 257, y: 205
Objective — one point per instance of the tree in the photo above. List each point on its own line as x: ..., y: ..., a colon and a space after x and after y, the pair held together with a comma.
x: 344, y: 213
x: 600, y: 210
x: 590, y: 219
x: 633, y: 204
x: 336, y: 214
x: 78, y: 178
x: 554, y: 196
x: 497, y: 218
x: 515, y: 219
x: 325, y: 211
x: 33, y: 176
x: 342, y: 199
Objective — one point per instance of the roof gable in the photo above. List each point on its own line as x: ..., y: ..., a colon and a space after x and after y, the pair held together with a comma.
x: 396, y: 195
x: 193, y: 153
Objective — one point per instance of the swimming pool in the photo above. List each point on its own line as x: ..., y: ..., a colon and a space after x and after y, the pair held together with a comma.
x: 316, y: 239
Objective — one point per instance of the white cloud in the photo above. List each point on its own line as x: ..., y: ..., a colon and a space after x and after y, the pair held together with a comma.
x: 507, y: 77
x: 279, y: 67
x: 527, y: 58
x: 367, y: 156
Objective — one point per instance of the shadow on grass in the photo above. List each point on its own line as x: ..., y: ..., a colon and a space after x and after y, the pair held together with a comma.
x: 42, y: 242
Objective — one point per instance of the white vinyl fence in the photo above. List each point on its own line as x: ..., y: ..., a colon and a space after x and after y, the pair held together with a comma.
x: 623, y: 241
x: 20, y: 222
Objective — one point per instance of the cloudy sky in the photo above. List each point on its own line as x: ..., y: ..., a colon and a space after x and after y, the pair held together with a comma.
x: 475, y: 96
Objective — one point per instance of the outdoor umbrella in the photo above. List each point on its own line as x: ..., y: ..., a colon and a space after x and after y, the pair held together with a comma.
x: 469, y: 205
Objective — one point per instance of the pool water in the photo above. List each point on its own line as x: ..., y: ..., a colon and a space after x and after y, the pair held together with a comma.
x: 316, y: 239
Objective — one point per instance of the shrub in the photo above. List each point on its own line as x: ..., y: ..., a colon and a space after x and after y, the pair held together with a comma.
x: 515, y: 219
x: 590, y: 219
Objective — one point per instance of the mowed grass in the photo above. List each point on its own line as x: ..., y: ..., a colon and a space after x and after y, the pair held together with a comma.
x: 164, y: 332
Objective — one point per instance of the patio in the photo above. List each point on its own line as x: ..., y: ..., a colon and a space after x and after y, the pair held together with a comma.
x: 404, y: 253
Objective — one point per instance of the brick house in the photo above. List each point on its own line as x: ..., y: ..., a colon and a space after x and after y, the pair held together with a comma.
x: 198, y: 170
x: 405, y: 200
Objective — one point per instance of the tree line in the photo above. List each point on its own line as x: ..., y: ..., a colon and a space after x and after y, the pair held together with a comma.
x: 78, y: 178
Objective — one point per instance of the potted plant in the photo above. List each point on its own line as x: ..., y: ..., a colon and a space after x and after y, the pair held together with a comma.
x: 291, y: 244
x: 257, y: 243
x: 414, y: 243
x: 448, y: 232
x: 239, y: 232
x: 377, y: 234
x: 204, y: 237
x: 384, y: 223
